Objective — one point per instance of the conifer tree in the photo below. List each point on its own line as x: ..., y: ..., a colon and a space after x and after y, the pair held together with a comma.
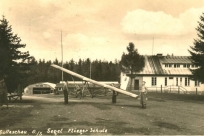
x: 133, y: 61
x: 197, y: 52
x: 13, y: 62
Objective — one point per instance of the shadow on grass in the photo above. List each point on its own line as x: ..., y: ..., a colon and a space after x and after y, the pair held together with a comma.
x: 102, y: 106
x: 138, y: 106
x: 167, y: 125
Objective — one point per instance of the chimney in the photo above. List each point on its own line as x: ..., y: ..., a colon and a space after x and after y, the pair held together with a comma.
x: 159, y: 55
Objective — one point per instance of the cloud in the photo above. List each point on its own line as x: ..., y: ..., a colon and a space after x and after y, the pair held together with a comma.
x: 147, y: 22
x: 46, y: 35
x: 80, y: 45
x: 92, y: 29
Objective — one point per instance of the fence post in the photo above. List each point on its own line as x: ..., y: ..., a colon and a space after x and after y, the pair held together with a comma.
x: 161, y: 88
x: 196, y: 91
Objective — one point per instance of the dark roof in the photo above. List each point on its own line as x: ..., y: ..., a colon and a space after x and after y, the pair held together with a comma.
x: 176, y: 59
x: 153, y: 65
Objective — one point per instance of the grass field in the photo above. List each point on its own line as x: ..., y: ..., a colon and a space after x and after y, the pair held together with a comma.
x: 166, y: 114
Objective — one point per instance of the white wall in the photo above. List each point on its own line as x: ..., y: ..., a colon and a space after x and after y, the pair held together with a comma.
x: 29, y: 89
x: 171, y: 82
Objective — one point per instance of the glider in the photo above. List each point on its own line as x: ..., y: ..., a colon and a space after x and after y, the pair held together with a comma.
x: 95, y: 82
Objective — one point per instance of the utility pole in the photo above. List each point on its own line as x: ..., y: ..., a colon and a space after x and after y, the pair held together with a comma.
x: 62, y: 55
x: 153, y: 46
x: 90, y: 69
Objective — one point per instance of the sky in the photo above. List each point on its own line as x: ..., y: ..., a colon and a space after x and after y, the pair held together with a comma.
x: 102, y: 29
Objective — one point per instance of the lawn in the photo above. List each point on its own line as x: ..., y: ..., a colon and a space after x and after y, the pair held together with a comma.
x: 46, y: 114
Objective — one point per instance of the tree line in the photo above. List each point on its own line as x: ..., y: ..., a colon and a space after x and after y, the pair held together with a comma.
x: 41, y: 71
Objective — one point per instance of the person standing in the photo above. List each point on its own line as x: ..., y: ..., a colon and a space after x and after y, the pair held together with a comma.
x: 3, y: 93
x: 143, y: 98
x: 65, y: 90
x: 114, y: 95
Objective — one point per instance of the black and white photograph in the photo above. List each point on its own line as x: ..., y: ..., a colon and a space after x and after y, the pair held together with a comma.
x: 101, y: 67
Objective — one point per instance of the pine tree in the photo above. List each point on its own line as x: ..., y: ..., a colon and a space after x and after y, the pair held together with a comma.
x: 13, y: 63
x: 133, y: 61
x: 197, y: 52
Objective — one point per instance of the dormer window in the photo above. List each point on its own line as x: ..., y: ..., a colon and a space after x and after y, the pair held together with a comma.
x: 186, y: 65
x: 176, y: 65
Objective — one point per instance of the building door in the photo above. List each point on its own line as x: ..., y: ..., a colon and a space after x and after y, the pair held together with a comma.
x: 136, y: 85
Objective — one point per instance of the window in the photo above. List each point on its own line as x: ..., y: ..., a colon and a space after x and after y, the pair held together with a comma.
x: 165, y: 82
x: 187, y: 81
x: 197, y: 83
x: 171, y: 77
x: 170, y: 65
x: 154, y: 81
x: 176, y: 65
x: 177, y: 81
x: 181, y: 81
x: 186, y: 65
x: 166, y: 65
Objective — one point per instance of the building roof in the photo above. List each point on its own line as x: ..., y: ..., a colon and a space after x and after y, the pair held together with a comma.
x: 175, y: 59
x: 50, y: 84
x: 153, y: 65
x: 45, y: 84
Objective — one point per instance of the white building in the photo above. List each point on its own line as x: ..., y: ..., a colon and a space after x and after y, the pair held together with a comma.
x: 167, y: 73
x: 44, y: 87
